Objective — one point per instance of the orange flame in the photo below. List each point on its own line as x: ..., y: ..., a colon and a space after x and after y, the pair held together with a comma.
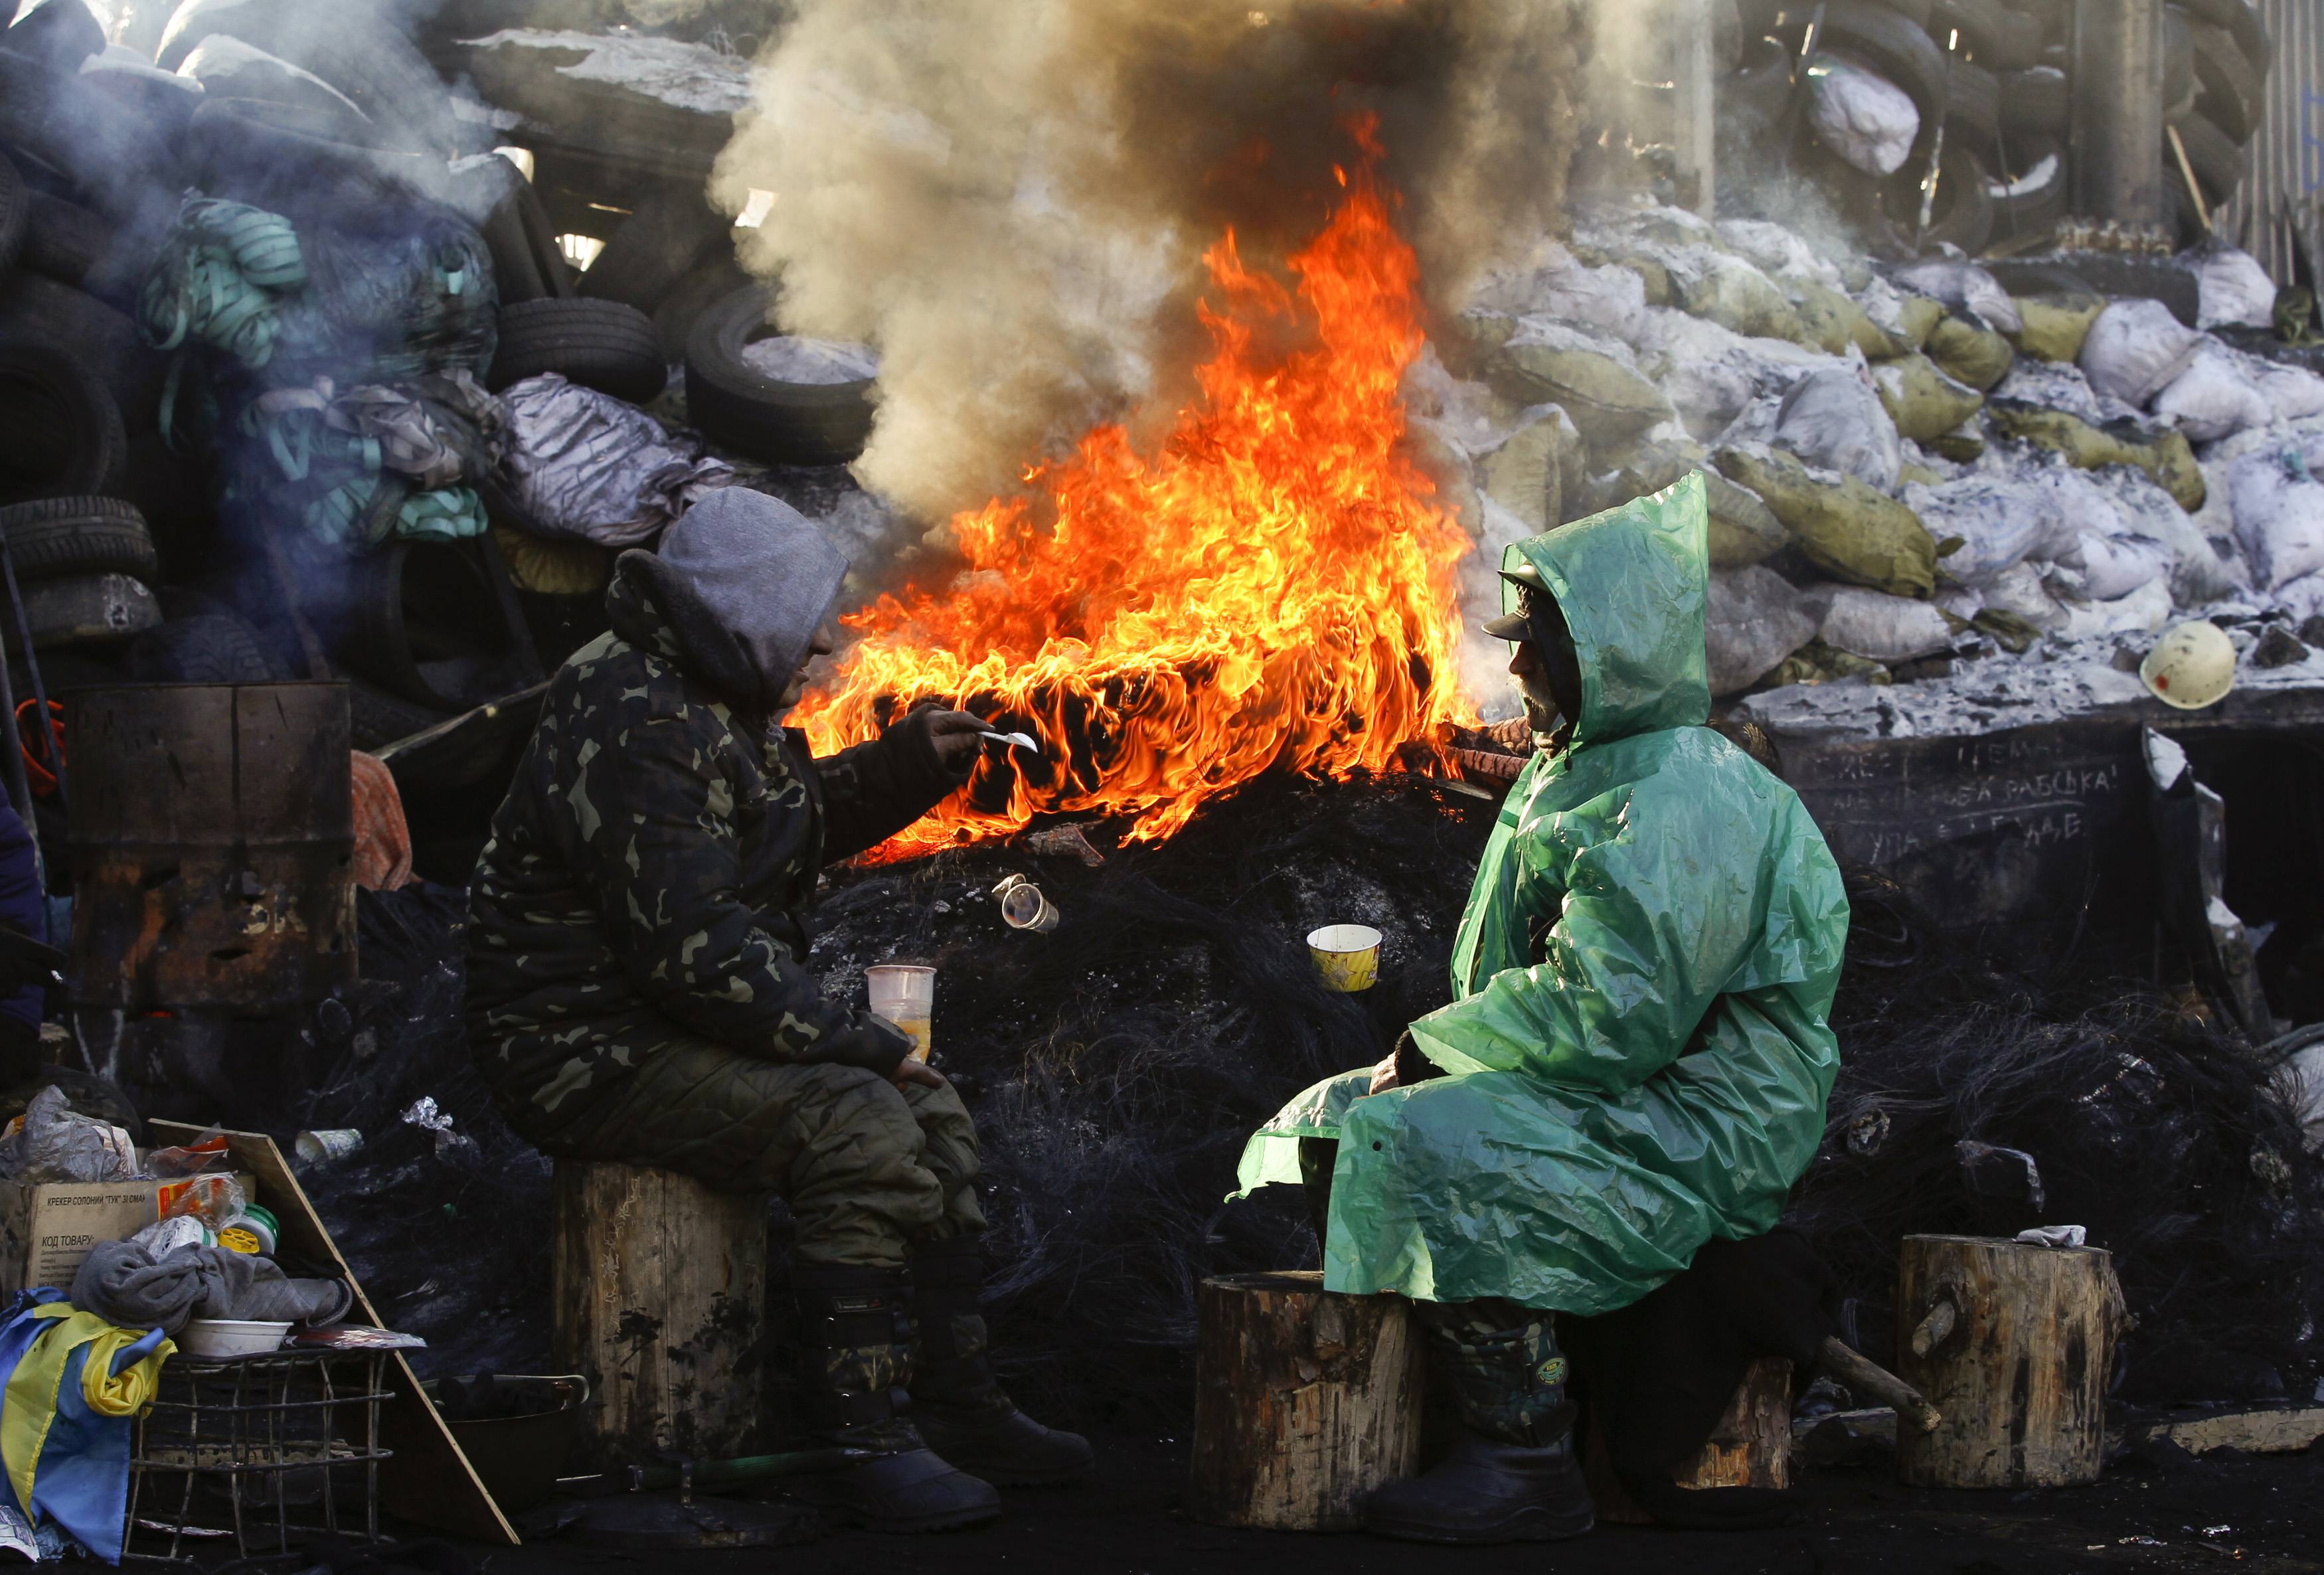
x: 1274, y: 588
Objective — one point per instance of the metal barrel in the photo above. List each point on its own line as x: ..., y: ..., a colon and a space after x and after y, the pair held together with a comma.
x: 212, y: 845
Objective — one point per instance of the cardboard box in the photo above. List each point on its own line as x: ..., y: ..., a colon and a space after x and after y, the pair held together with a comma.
x: 47, y: 1228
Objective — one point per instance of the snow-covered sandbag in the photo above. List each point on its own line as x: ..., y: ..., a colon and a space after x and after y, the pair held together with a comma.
x: 1883, y: 628
x: 1963, y: 602
x: 2279, y: 512
x: 1594, y: 378
x: 2135, y: 350
x: 2143, y: 611
x: 1712, y: 374
x: 1906, y: 317
x: 2019, y: 590
x: 1861, y: 116
x: 1752, y: 619
x: 2115, y: 566
x: 1779, y: 253
x: 2293, y: 392
x: 1833, y: 419
x: 2059, y: 386
x: 1608, y: 299
x: 1729, y: 291
x: 2199, y: 577
x: 2214, y: 398
x: 584, y: 465
x: 2000, y: 522
x: 1964, y: 288
x: 2233, y: 291
x: 1922, y: 402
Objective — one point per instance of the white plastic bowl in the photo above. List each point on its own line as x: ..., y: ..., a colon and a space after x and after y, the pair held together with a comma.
x: 213, y: 1338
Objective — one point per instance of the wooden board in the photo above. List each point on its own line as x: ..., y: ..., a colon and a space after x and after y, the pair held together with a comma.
x: 427, y: 1480
x: 2263, y: 1430
x: 1304, y: 1401
x: 1750, y: 1447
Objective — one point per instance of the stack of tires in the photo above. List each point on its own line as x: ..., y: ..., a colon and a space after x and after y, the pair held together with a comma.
x: 1825, y: 82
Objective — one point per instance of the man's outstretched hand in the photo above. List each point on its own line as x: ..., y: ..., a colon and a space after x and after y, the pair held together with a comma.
x: 911, y: 1073
x: 957, y: 736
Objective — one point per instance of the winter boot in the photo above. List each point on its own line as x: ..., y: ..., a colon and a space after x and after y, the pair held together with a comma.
x: 957, y: 1403
x: 854, y: 1360
x: 1514, y: 1476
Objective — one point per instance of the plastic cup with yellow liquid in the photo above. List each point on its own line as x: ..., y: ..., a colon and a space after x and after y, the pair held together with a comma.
x: 904, y: 993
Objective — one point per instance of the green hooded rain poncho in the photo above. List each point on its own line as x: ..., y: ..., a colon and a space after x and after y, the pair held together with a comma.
x: 1636, y: 1048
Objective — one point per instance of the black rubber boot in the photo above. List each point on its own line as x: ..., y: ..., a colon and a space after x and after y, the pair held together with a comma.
x: 1513, y: 1476
x: 957, y: 1403
x: 854, y: 1359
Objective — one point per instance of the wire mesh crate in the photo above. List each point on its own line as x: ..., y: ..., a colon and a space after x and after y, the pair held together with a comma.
x: 242, y: 1458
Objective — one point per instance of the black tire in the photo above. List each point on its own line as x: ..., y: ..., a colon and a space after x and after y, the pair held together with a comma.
x: 48, y: 537
x: 1901, y: 50
x: 2219, y: 164
x: 1972, y: 103
x: 209, y: 648
x: 598, y: 344
x: 2243, y: 25
x: 61, y: 431
x: 665, y: 238
x: 15, y: 208
x: 1963, y: 214
x: 2028, y: 203
x: 93, y: 609
x: 1919, y: 12
x: 1996, y: 37
x: 493, y: 195
x: 2035, y: 99
x: 369, y: 60
x: 79, y: 246
x: 1758, y: 91
x: 114, y: 162
x: 100, y: 340
x: 2178, y: 59
x: 60, y: 35
x: 743, y: 410
x: 291, y: 160
x: 376, y: 717
x: 2228, y: 88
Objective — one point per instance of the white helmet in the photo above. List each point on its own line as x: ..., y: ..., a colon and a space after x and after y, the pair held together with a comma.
x: 2192, y: 665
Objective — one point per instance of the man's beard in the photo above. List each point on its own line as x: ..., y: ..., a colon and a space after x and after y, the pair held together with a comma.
x: 1540, y: 706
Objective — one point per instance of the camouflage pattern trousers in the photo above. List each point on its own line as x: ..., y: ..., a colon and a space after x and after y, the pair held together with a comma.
x: 866, y: 1167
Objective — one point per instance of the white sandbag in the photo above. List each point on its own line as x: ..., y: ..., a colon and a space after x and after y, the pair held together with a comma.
x: 1832, y: 418
x: 2143, y: 610
x: 2060, y: 385
x: 1883, y: 628
x: 2135, y: 350
x: 2000, y: 521
x: 2279, y: 510
x: 2293, y: 392
x: 2198, y: 575
x: 1752, y: 619
x: 1963, y: 602
x: 1711, y: 373
x: 2233, y: 291
x: 584, y: 466
x: 1608, y: 299
x: 1861, y: 114
x: 1780, y: 252
x: 2214, y: 398
x: 2115, y: 566
x: 2303, y: 598
x: 2019, y: 590
x: 1965, y: 288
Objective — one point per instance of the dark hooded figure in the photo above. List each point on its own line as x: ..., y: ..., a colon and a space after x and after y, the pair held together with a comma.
x: 638, y: 928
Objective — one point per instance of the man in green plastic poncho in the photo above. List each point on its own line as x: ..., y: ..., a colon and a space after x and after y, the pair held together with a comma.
x: 1636, y: 1056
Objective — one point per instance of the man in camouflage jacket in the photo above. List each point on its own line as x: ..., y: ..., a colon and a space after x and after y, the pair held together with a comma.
x: 639, y: 924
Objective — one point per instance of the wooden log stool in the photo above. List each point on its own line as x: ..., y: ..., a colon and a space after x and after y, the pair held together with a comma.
x: 659, y: 1287
x: 1304, y: 1401
x: 1751, y: 1447
x: 2013, y: 1343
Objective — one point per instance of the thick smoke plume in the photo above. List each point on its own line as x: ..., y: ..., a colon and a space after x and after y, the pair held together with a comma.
x: 1011, y: 197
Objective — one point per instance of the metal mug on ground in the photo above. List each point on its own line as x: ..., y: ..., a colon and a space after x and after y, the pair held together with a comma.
x: 1023, y: 906
x: 1346, y: 955
x: 904, y: 993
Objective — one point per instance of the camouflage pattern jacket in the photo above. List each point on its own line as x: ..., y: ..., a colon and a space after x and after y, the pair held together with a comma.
x: 651, y: 872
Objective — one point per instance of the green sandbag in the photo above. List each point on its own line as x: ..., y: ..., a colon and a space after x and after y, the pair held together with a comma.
x: 2055, y: 324
x: 1831, y: 322
x: 1963, y: 445
x: 1922, y: 402
x: 1737, y: 297
x: 1607, y: 400
x: 1917, y: 316
x: 1967, y: 353
x: 1743, y: 529
x: 2162, y: 452
x: 1846, y: 528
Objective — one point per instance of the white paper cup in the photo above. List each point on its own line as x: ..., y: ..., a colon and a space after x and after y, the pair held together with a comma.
x: 904, y: 993
x: 1346, y: 955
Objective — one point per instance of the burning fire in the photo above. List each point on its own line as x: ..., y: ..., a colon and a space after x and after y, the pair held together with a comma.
x: 1273, y: 588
